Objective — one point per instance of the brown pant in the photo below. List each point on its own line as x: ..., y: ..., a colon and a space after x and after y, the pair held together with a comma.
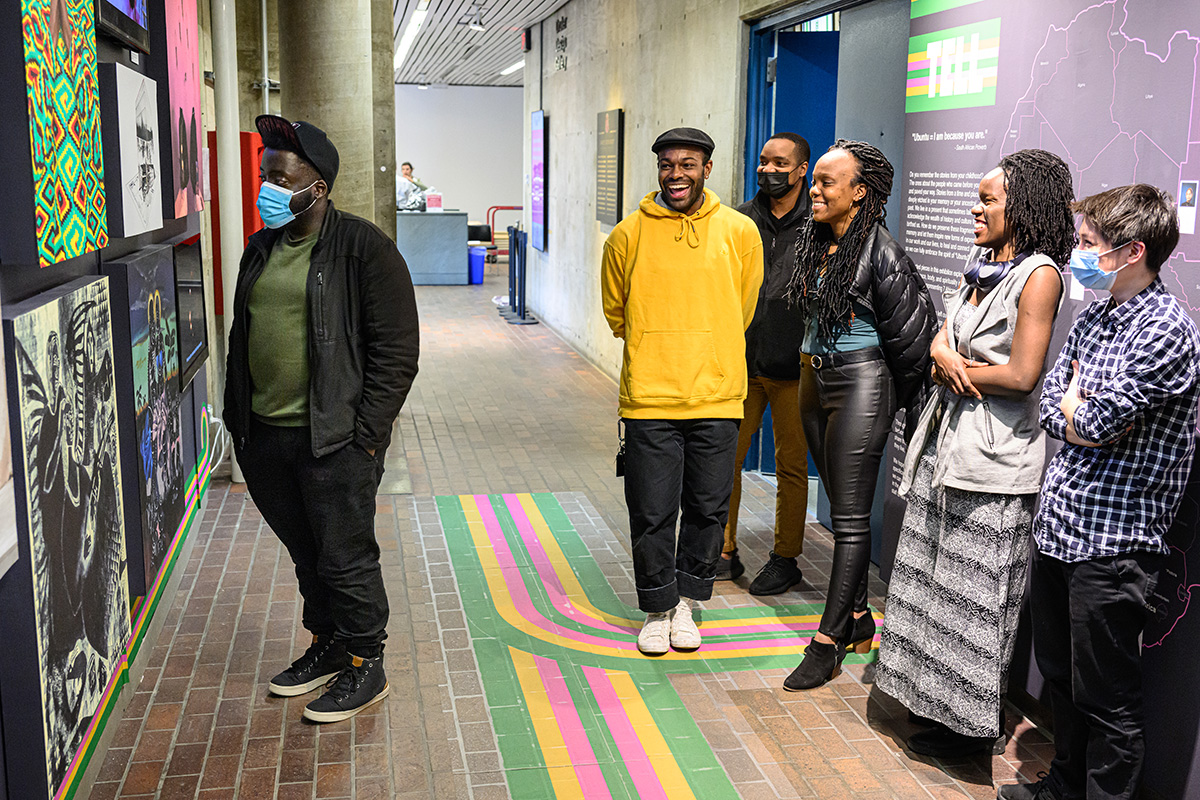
x: 791, y: 462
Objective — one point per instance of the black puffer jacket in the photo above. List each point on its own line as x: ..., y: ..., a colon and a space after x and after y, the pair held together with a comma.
x: 775, y: 334
x: 363, y: 335
x: 887, y: 282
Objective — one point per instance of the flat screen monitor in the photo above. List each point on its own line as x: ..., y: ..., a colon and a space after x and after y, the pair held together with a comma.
x: 125, y: 20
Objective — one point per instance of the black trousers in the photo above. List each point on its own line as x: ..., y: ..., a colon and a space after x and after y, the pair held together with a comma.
x: 677, y: 469
x: 323, y: 510
x: 1088, y: 618
x: 847, y: 413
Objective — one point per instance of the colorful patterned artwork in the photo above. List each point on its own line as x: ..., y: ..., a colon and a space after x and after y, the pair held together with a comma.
x: 183, y: 83
x: 62, y: 357
x: 64, y: 128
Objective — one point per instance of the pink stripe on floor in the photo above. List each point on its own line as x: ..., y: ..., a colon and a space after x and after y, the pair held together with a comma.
x: 579, y: 749
x: 633, y: 754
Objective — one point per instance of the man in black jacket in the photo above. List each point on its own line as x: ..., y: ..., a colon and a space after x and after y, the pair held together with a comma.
x: 773, y: 359
x: 322, y: 353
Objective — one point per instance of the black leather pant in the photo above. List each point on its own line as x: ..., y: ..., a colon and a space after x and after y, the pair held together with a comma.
x: 847, y: 413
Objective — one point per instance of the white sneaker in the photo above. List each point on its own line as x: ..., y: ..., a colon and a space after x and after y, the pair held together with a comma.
x: 656, y: 631
x: 684, y: 633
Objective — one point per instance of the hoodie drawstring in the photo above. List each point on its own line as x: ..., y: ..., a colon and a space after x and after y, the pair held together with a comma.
x: 687, y: 227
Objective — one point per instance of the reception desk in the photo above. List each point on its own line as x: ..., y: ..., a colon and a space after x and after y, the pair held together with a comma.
x: 434, y: 245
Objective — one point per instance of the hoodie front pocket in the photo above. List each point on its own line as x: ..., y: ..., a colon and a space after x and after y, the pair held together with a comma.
x: 675, y: 365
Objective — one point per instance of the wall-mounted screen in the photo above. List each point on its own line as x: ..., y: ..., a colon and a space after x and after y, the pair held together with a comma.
x: 125, y: 20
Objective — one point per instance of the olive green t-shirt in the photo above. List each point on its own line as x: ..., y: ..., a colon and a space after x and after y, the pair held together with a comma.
x: 278, y: 341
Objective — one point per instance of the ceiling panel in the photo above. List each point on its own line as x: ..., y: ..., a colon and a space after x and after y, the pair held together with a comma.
x: 448, y: 50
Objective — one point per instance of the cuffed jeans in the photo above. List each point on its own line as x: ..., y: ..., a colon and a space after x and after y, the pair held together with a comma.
x: 323, y: 510
x: 677, y: 469
x: 847, y: 413
x: 1088, y: 618
x: 791, y: 462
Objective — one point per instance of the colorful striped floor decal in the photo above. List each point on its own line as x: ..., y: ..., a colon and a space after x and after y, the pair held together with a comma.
x: 578, y: 711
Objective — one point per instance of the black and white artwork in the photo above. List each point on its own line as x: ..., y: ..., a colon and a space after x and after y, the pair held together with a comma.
x: 62, y: 357
x: 129, y: 108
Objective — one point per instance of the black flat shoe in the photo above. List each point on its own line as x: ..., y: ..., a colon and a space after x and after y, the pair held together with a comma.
x: 862, y: 634
x: 729, y: 569
x: 821, y: 664
x: 941, y: 742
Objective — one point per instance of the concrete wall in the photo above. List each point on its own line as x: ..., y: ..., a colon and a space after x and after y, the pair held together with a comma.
x: 667, y: 63
x: 465, y: 141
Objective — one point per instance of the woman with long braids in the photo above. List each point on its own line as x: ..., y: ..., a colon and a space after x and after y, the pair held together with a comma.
x: 974, y: 467
x: 866, y: 354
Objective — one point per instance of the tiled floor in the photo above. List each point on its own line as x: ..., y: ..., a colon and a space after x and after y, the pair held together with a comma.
x: 510, y: 649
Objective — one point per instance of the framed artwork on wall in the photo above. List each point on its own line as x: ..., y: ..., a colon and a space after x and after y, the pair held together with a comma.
x: 147, y: 366
x: 193, y: 317
x: 129, y: 106
x: 65, y: 640
x: 65, y: 217
x: 176, y: 59
x: 127, y: 21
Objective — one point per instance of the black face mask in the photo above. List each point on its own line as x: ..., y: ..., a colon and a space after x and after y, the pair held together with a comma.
x: 775, y: 184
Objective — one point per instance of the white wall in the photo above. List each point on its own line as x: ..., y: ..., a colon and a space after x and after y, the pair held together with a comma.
x: 465, y: 141
x: 667, y: 63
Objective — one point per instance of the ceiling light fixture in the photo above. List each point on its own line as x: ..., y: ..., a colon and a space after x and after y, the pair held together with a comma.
x: 477, y: 23
x: 410, y: 33
x: 510, y: 70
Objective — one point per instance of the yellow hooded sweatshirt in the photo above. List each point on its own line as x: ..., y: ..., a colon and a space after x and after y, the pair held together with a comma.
x: 680, y: 290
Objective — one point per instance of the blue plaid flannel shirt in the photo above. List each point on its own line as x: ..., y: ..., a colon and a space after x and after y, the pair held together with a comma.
x: 1139, y: 365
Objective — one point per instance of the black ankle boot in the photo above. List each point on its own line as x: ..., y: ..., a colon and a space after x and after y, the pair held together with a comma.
x: 821, y: 664
x: 862, y: 634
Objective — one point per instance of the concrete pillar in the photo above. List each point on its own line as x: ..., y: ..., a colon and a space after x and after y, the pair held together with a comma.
x: 383, y: 102
x: 325, y: 76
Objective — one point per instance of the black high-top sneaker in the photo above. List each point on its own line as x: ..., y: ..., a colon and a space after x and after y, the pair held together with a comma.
x: 361, y: 684
x: 324, y: 658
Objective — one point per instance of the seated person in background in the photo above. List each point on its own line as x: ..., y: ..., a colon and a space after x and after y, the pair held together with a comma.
x: 406, y: 172
x: 1123, y: 395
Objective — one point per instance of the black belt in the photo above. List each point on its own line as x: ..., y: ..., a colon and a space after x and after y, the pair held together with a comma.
x: 835, y: 360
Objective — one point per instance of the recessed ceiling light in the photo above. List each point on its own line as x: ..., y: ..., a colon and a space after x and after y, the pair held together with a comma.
x: 510, y: 70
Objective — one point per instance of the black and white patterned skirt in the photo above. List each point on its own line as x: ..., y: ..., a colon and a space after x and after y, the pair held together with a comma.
x: 954, y: 601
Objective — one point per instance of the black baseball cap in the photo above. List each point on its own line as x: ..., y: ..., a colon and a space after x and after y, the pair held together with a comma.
x: 684, y: 137
x: 302, y: 138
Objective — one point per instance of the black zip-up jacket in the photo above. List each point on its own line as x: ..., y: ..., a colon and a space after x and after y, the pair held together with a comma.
x: 887, y: 283
x: 775, y: 334
x: 363, y: 335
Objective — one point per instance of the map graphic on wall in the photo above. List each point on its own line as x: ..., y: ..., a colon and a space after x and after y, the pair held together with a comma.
x: 155, y: 339
x: 131, y: 147
x: 63, y: 359
x: 1111, y: 87
x: 64, y: 128
x: 178, y: 62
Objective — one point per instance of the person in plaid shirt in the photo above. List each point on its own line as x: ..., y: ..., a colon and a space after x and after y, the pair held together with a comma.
x: 1123, y: 395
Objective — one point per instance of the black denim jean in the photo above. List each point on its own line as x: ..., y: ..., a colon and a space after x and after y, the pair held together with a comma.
x: 323, y: 510
x: 847, y: 413
x: 677, y: 469
x: 1088, y: 619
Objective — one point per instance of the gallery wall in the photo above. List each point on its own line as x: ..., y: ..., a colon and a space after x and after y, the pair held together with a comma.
x: 465, y: 141
x: 103, y: 170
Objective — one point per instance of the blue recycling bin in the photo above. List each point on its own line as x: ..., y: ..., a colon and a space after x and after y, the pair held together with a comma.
x: 475, y: 258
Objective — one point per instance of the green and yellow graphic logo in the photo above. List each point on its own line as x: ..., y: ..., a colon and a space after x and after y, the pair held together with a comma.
x: 921, y: 8
x: 953, y: 68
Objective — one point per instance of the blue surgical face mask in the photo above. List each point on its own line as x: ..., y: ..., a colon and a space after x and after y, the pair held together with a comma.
x: 1085, y: 266
x: 275, y: 204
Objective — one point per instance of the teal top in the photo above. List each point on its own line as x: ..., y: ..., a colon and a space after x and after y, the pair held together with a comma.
x: 862, y: 333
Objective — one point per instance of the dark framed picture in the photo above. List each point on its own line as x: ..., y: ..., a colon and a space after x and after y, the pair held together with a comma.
x: 193, y: 316
x: 125, y: 20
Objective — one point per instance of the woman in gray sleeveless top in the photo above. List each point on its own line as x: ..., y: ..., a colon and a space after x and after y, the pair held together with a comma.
x: 974, y: 467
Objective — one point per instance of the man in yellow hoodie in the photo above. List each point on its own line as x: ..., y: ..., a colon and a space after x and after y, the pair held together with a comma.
x: 680, y: 280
